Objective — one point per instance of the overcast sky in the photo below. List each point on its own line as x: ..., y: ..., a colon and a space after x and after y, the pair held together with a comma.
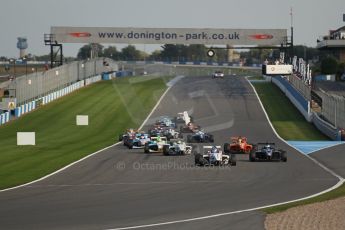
x: 33, y: 18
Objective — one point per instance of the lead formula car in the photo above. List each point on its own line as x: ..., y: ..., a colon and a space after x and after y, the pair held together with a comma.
x: 213, y: 156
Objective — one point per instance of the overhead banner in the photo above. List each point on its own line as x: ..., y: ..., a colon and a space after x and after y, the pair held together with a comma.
x: 232, y: 37
x: 277, y: 69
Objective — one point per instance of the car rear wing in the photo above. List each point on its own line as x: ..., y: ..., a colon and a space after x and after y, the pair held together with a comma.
x: 266, y: 143
x: 162, y: 138
x: 236, y: 138
x: 176, y: 140
x: 210, y: 147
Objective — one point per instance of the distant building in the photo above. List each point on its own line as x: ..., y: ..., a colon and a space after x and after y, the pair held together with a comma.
x: 22, y: 45
x: 233, y: 56
x: 334, y: 41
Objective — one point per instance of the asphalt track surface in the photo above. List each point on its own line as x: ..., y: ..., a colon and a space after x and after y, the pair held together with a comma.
x: 121, y: 188
x: 333, y: 157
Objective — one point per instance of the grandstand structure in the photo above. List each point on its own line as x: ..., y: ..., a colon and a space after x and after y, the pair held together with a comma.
x: 334, y: 41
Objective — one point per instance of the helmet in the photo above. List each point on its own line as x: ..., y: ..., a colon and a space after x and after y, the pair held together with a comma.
x: 214, y: 149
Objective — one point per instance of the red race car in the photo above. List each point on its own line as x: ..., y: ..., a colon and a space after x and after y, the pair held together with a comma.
x: 238, y: 145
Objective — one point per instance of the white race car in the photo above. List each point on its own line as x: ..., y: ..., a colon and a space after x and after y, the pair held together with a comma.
x: 177, y: 147
x: 155, y: 144
x: 217, y: 74
x: 213, y: 155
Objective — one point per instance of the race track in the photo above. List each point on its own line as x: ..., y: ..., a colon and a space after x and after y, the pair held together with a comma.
x: 121, y: 188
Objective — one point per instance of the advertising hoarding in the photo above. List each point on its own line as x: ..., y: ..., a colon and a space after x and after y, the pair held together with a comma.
x: 207, y: 36
x: 277, y: 69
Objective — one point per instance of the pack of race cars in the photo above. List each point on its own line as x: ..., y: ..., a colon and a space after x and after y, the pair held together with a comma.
x: 166, y: 136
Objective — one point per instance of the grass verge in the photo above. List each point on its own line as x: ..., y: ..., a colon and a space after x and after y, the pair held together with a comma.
x: 112, y: 107
x: 286, y: 119
x: 256, y: 77
x: 290, y: 125
x: 336, y: 193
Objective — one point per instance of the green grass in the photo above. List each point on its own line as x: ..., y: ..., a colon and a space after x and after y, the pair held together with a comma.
x: 336, y: 193
x: 290, y: 125
x: 112, y: 107
x: 256, y: 77
x: 286, y: 119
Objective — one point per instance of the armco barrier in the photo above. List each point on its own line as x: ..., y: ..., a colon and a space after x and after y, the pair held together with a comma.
x: 295, y: 97
x: 326, y: 128
x: 62, y: 92
x: 304, y: 107
x: 301, y: 86
x: 93, y: 79
x: 4, y: 118
x: 38, y: 84
x: 19, y: 111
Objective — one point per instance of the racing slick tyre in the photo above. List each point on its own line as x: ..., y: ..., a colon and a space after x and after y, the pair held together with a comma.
x: 147, y: 148
x: 191, y: 118
x: 283, y: 156
x: 130, y: 145
x: 252, y: 156
x: 233, y: 160
x: 166, y: 150
x: 199, y: 160
x: 226, y: 148
x: 211, y: 138
x: 189, y: 139
x: 169, y: 137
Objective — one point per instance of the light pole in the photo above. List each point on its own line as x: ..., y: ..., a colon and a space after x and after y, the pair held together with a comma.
x: 33, y: 69
x: 83, y: 67
x: 13, y: 61
x: 26, y: 65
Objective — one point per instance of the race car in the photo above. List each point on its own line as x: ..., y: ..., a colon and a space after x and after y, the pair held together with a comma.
x: 155, y: 144
x: 213, y: 155
x: 218, y: 74
x: 190, y: 128
x: 238, y: 145
x: 267, y: 152
x: 136, y: 141
x: 166, y: 121
x: 128, y: 133
x: 183, y: 117
x: 177, y: 147
x: 199, y: 137
x: 167, y: 132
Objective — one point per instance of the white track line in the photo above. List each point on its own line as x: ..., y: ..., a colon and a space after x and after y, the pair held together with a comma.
x: 88, y: 156
x: 223, y: 214
x: 60, y: 170
x: 337, y: 185
x: 327, y: 147
x: 275, y: 132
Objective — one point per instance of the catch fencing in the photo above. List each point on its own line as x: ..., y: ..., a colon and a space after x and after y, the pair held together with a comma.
x: 36, y: 85
x: 27, y: 107
x: 301, y: 86
x: 40, y: 88
x: 333, y: 108
x: 330, y: 121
